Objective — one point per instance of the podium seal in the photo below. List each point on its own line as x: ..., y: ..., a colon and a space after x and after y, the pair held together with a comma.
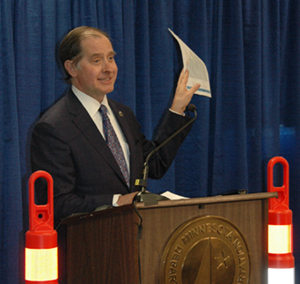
x: 206, y: 250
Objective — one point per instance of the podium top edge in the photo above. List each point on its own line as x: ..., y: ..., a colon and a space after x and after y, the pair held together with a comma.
x: 171, y: 203
x: 210, y: 200
x: 88, y: 215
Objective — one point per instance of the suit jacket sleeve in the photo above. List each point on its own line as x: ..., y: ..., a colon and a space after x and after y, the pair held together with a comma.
x: 160, y: 163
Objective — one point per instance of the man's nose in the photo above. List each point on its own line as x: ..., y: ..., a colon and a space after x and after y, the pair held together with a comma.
x: 107, y: 65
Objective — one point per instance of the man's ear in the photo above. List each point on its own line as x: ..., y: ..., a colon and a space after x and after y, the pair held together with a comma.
x: 71, y: 68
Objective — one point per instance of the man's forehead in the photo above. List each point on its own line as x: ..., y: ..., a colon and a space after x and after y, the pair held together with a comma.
x: 94, y: 48
x: 93, y: 33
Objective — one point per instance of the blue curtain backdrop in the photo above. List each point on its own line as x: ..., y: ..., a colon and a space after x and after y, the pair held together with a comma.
x: 252, y: 52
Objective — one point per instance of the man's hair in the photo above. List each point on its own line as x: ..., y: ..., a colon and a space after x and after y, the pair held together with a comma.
x: 70, y: 47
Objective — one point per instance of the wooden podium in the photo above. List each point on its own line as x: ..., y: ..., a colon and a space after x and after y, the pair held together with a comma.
x: 126, y: 244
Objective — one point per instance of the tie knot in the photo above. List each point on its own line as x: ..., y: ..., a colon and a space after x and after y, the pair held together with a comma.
x: 103, y: 110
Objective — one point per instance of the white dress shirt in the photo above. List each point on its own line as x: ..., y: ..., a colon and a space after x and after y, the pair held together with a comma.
x: 92, y: 107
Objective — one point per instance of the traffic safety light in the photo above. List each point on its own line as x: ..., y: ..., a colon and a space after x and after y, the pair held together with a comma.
x: 41, y: 257
x: 280, y: 229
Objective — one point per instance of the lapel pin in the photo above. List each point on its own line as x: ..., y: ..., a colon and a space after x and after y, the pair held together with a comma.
x: 120, y: 113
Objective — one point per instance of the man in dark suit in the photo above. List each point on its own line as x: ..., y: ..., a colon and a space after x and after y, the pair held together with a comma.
x: 69, y: 139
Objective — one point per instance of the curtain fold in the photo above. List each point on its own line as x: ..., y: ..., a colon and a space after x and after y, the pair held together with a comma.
x: 252, y: 52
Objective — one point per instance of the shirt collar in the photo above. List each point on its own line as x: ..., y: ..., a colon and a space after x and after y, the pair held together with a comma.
x: 90, y: 104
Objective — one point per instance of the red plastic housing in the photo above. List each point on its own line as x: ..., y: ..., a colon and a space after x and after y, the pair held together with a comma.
x: 279, y: 212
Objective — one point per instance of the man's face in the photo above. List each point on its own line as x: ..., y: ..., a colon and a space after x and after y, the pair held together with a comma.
x: 95, y: 74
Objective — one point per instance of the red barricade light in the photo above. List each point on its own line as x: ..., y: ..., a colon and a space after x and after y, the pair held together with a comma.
x: 280, y: 228
x: 41, y: 257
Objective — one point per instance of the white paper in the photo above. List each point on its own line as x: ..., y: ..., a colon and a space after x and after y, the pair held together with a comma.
x: 197, y: 68
x: 173, y: 196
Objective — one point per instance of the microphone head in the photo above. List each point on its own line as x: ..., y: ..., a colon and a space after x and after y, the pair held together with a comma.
x: 191, y: 107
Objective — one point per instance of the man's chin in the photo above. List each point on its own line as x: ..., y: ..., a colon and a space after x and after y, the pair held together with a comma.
x: 107, y: 90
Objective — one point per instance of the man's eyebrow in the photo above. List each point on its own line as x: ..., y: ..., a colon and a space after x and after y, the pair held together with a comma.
x: 101, y: 54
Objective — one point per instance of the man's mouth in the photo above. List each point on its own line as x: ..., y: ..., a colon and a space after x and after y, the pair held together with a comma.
x: 105, y: 79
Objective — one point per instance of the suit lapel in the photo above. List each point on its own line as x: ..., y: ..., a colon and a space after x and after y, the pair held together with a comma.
x: 123, y: 122
x: 85, y: 124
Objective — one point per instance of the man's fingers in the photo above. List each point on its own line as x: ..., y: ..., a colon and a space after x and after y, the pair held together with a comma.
x: 194, y: 88
x: 126, y: 199
x: 184, y: 75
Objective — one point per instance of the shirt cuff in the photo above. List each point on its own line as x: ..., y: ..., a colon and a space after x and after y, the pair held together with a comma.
x: 182, y: 114
x: 115, y: 200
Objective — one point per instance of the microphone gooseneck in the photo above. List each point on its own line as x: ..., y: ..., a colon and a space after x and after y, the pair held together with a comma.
x: 143, y: 196
x: 192, y: 108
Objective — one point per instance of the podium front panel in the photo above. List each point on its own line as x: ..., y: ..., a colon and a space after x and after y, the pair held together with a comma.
x: 110, y: 246
x: 159, y: 224
x: 102, y: 247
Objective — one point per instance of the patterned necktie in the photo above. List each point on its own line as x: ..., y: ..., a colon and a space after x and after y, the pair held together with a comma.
x: 113, y: 143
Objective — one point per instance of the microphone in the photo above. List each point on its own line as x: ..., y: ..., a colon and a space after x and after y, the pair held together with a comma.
x: 151, y: 198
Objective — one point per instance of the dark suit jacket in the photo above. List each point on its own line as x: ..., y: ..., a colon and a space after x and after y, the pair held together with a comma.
x: 67, y: 144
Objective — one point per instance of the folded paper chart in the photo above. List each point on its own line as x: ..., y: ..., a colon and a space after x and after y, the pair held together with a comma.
x: 196, y: 67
